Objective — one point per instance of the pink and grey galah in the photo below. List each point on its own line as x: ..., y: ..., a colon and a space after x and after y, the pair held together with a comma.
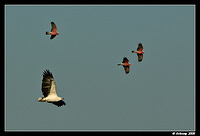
x: 53, y: 32
x: 139, y: 52
x: 126, y: 65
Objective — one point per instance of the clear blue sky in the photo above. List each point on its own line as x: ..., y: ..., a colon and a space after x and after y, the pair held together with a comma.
x: 157, y: 94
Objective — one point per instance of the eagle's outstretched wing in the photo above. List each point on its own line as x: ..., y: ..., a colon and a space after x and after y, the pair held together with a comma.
x: 48, y: 84
x: 59, y: 103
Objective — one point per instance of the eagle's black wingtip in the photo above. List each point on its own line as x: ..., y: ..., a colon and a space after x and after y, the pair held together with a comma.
x: 47, y: 73
x: 59, y: 103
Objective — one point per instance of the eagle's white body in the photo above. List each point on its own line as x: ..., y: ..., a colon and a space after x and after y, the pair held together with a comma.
x: 49, y: 90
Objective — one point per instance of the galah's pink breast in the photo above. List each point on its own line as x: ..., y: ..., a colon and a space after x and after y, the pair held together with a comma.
x: 126, y: 64
x: 54, y: 33
x: 140, y: 52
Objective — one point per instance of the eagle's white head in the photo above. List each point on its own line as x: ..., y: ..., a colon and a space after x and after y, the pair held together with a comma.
x: 39, y: 99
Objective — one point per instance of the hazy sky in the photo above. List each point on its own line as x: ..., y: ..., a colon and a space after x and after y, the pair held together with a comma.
x: 157, y: 94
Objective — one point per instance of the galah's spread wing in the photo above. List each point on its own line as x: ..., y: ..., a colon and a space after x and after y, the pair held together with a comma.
x: 53, y: 27
x: 126, y: 69
x: 140, y: 57
x: 125, y: 60
x: 52, y: 36
x: 140, y: 47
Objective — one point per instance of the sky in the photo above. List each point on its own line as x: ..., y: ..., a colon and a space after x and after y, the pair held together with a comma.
x: 158, y: 94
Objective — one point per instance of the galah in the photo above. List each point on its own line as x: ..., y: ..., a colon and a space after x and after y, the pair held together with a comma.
x: 139, y: 52
x: 53, y: 32
x: 126, y: 65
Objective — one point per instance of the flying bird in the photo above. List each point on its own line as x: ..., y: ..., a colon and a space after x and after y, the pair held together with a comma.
x: 125, y: 64
x: 139, y: 52
x: 53, y: 32
x: 49, y: 90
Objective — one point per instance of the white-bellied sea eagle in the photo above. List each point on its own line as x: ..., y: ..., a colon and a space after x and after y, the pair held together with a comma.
x: 49, y: 90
